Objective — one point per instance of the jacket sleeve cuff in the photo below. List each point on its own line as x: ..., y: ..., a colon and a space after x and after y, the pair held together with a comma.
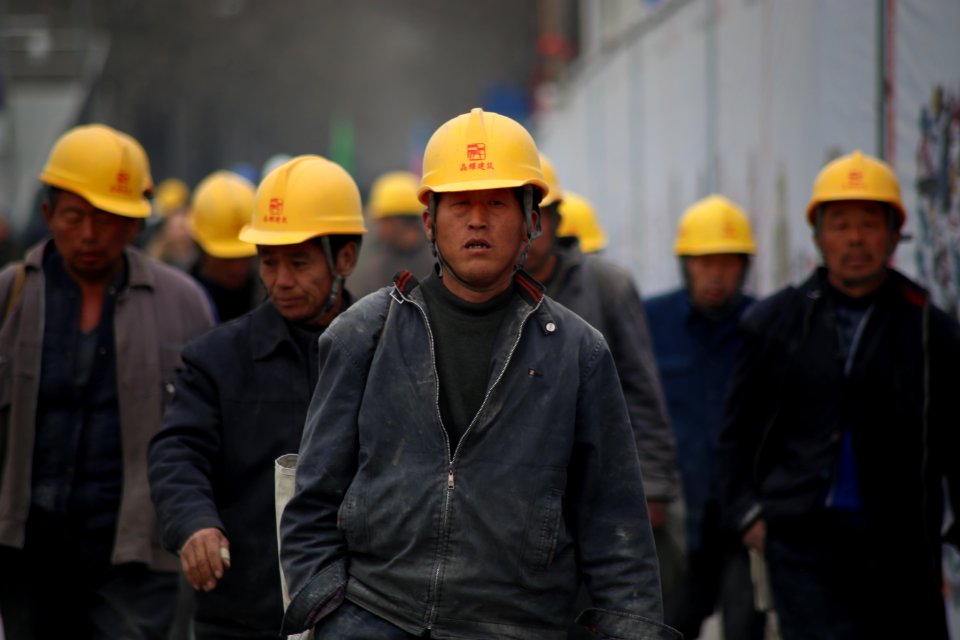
x: 626, y: 626
x: 754, y: 513
x: 316, y: 599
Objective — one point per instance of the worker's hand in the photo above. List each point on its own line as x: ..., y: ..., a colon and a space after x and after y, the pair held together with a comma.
x: 204, y: 557
x: 755, y: 536
x: 658, y: 512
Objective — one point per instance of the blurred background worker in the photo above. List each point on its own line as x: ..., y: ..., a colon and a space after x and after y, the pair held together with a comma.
x: 226, y: 267
x: 695, y: 338
x: 243, y: 394
x: 578, y: 219
x: 605, y: 295
x: 167, y: 237
x: 399, y: 241
x: 94, y: 329
x: 841, y: 426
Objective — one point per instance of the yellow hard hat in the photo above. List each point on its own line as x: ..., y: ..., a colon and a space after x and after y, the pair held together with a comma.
x: 395, y: 194
x: 555, y: 193
x: 141, y: 155
x: 100, y: 165
x: 480, y: 150
x: 172, y: 194
x: 305, y: 197
x: 222, y: 205
x: 714, y: 225
x: 578, y: 219
x: 856, y: 177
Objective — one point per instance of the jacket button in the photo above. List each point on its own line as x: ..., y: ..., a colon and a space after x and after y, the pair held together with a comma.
x: 550, y: 327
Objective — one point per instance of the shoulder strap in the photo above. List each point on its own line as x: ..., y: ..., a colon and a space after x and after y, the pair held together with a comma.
x: 15, y: 290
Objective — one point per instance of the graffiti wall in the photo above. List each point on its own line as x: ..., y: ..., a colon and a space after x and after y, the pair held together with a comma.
x: 938, y: 198
x: 750, y: 98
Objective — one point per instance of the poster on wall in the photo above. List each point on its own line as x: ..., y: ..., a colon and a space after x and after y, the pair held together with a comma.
x: 937, y: 193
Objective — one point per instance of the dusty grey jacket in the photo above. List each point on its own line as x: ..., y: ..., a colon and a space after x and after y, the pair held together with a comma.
x: 604, y: 294
x: 160, y: 310
x: 491, y: 539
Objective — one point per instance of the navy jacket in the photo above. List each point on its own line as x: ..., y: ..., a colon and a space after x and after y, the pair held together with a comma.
x: 492, y: 539
x: 695, y: 356
x: 240, y: 403
x: 789, y: 402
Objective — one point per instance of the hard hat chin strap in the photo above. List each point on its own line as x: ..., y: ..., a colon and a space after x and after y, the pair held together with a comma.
x: 337, y: 280
x: 533, y: 231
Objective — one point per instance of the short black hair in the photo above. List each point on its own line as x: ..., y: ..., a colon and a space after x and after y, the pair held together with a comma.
x: 338, y: 242
x: 51, y: 195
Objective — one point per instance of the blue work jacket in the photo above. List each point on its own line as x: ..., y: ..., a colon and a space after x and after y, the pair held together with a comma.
x: 695, y: 356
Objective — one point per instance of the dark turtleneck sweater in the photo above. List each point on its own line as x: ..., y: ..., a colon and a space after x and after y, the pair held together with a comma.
x: 463, y: 334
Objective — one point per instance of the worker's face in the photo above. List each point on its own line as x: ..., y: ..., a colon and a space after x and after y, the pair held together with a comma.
x: 90, y: 240
x: 298, y: 280
x: 403, y: 233
x: 541, y: 249
x: 480, y: 235
x: 855, y: 240
x: 229, y: 273
x: 713, y: 281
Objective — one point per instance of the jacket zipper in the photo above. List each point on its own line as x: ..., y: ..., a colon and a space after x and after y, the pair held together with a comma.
x: 451, y: 460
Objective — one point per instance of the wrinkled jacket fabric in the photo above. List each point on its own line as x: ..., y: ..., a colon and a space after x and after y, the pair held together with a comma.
x: 604, y: 294
x: 489, y: 540
x: 789, y: 402
x: 158, y: 312
x: 241, y: 401
x: 695, y: 356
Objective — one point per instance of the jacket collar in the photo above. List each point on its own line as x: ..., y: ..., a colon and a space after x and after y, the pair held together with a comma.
x: 529, y: 289
x: 138, y: 264
x: 896, y: 284
x: 569, y: 258
x: 268, y: 329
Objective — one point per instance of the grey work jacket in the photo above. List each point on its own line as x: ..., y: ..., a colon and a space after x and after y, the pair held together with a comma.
x: 490, y: 538
x: 604, y: 294
x: 158, y: 312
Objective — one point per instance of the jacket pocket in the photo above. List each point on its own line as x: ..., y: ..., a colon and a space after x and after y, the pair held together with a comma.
x: 351, y: 517
x: 542, y: 531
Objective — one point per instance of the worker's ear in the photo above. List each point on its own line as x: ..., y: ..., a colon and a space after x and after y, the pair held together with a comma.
x: 347, y: 258
x: 427, y: 225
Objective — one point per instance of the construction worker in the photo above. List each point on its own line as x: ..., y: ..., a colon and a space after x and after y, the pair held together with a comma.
x: 841, y: 426
x: 604, y: 294
x: 172, y: 195
x: 468, y: 457
x: 399, y: 241
x: 243, y: 395
x: 222, y: 205
x: 167, y: 237
x: 88, y: 353
x: 578, y: 219
x: 695, y: 337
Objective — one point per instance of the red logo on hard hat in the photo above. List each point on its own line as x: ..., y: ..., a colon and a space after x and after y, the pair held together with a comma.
x: 855, y: 179
x: 729, y: 231
x: 276, y: 205
x: 123, y: 183
x: 477, y: 151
